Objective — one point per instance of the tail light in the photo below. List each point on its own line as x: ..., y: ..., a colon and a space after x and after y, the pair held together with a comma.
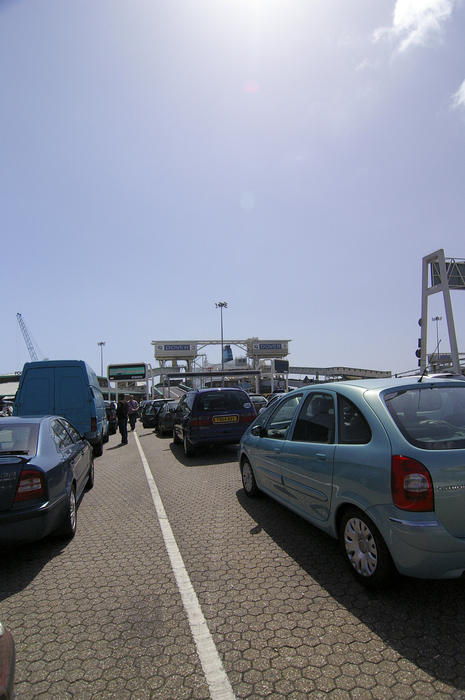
x: 93, y: 424
x: 200, y: 422
x: 411, y: 485
x: 247, y: 417
x: 30, y: 486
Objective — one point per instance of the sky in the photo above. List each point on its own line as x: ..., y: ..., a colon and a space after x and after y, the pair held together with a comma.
x: 294, y: 158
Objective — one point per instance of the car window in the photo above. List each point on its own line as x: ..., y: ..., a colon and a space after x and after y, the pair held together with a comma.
x: 209, y: 402
x: 315, y: 422
x: 430, y: 417
x: 19, y: 438
x: 60, y: 435
x: 278, y: 424
x: 75, y: 437
x: 353, y: 428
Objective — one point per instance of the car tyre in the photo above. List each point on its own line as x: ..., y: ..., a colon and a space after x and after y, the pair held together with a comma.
x: 67, y: 529
x: 98, y: 449
x: 106, y: 437
x: 90, y: 478
x: 176, y: 439
x: 364, y: 549
x: 188, y: 447
x: 248, y: 479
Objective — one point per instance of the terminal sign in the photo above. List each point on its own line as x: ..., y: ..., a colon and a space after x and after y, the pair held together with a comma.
x: 165, y: 350
x: 270, y: 348
x: 127, y: 372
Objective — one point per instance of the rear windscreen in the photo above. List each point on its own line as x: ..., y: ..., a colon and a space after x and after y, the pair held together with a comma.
x: 19, y: 438
x: 222, y: 401
x: 432, y: 418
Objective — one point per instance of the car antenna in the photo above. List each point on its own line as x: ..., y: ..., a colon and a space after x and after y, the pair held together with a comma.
x: 422, y: 374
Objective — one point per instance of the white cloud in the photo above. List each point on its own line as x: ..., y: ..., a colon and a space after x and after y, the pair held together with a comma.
x: 417, y: 22
x: 458, y: 98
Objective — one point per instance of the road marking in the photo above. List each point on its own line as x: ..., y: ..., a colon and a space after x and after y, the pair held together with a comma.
x: 217, y: 680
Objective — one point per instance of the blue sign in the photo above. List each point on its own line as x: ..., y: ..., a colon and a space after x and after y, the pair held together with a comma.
x: 176, y: 347
x: 270, y: 346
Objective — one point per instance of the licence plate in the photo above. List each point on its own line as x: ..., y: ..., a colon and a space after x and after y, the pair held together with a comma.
x: 225, y: 419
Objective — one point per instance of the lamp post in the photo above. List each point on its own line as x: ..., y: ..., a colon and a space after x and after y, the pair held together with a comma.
x: 222, y: 305
x: 101, y: 343
x: 437, y: 319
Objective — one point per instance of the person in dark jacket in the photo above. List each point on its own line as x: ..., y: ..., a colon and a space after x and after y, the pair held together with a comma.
x: 122, y: 411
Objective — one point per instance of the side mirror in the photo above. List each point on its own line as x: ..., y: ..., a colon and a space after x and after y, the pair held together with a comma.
x: 258, y: 431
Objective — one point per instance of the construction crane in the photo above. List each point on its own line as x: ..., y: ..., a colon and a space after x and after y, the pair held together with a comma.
x: 27, y: 338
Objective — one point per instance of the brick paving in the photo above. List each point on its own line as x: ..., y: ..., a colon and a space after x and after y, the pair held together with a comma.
x: 101, y: 617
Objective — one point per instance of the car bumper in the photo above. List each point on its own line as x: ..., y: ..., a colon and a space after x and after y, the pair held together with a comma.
x: 33, y: 524
x: 419, y: 544
x: 217, y: 438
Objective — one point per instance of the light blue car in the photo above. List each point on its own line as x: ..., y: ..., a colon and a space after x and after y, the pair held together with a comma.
x: 378, y: 464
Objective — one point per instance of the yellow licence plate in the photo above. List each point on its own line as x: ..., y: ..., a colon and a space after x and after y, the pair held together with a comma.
x: 225, y: 419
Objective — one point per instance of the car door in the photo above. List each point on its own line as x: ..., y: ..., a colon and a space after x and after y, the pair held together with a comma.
x: 266, y: 440
x: 83, y: 455
x: 307, y: 457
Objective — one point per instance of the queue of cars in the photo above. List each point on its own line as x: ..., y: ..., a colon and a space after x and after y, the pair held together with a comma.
x: 378, y: 464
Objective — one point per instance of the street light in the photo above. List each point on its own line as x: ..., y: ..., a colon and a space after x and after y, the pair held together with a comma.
x: 222, y: 305
x: 101, y: 343
x: 437, y: 319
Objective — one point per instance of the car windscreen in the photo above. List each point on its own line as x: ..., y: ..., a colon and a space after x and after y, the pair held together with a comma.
x: 221, y: 401
x: 430, y: 417
x: 18, y: 438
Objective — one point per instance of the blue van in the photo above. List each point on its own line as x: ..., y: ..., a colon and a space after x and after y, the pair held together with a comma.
x: 67, y: 388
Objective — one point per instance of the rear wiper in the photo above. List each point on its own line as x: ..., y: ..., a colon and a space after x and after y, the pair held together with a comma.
x: 14, y: 452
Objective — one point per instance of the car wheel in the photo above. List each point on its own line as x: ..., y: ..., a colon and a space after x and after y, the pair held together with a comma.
x: 106, y: 437
x: 188, y: 447
x: 364, y: 549
x: 176, y: 439
x: 90, y: 478
x: 68, y: 526
x: 248, y: 479
x: 98, y: 449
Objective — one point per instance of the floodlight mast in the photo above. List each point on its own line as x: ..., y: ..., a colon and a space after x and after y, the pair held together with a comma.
x: 27, y: 339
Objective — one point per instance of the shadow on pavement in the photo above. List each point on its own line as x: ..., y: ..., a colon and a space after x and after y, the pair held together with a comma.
x: 423, y: 620
x: 205, y: 456
x: 20, y: 564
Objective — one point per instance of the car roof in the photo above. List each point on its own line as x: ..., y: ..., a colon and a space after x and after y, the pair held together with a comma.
x: 217, y: 388
x: 381, y: 384
x: 25, y: 419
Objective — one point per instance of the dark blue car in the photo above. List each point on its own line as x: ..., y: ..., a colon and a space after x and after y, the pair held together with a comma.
x: 45, y: 466
x: 212, y: 417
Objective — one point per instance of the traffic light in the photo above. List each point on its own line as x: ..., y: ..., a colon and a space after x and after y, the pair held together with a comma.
x: 418, y: 351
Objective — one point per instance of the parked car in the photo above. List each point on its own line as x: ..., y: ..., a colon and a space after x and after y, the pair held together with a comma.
x: 6, y: 409
x: 379, y: 464
x: 212, y: 416
x: 258, y: 401
x: 149, y: 413
x: 67, y: 388
x: 110, y: 408
x: 165, y: 418
x: 271, y: 401
x: 45, y: 466
x: 7, y: 664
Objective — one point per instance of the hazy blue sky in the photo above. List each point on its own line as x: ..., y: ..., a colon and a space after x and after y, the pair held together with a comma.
x: 296, y: 158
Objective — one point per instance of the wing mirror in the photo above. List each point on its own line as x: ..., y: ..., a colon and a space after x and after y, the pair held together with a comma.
x: 258, y: 431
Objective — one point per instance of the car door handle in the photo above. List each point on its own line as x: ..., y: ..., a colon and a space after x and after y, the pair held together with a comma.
x: 321, y: 456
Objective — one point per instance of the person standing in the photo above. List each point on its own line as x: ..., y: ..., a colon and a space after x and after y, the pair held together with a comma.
x: 122, y: 411
x: 133, y: 407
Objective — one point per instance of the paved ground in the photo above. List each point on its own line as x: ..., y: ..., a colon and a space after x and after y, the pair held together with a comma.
x: 102, y: 616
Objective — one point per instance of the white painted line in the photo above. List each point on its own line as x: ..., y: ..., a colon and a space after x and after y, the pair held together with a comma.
x: 217, y: 680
